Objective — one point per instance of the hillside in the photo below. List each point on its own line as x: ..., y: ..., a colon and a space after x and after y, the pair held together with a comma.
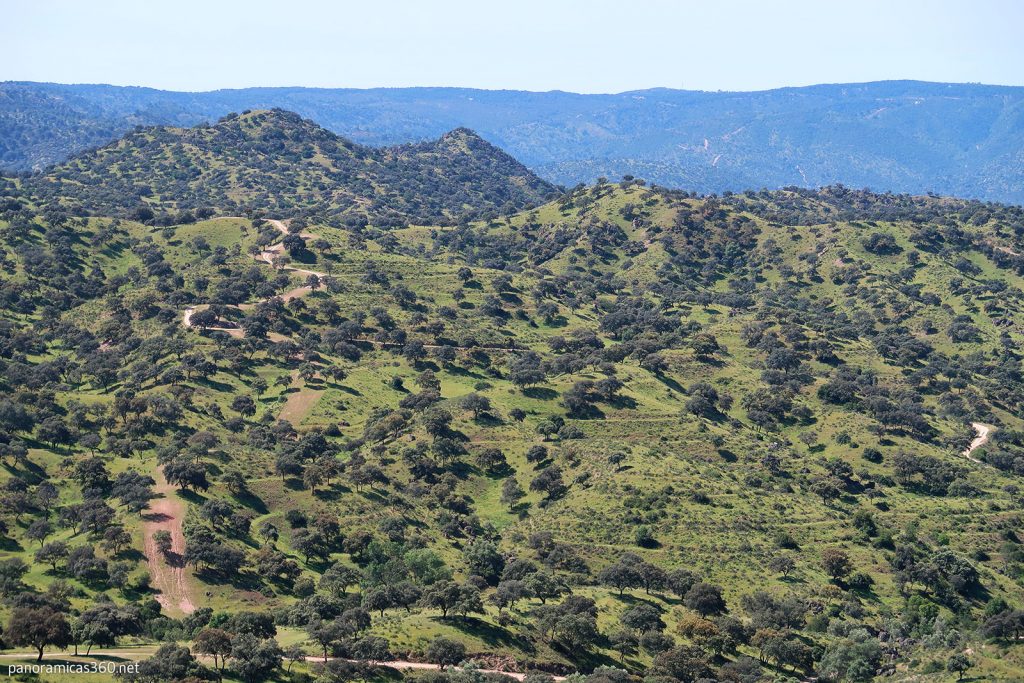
x: 285, y: 164
x: 689, y: 438
x: 903, y: 136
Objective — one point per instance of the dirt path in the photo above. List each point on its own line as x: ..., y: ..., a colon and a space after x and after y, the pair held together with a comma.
x: 166, y: 513
x: 392, y: 664
x: 186, y: 320
x: 267, y: 256
x: 980, y: 440
x: 402, y: 665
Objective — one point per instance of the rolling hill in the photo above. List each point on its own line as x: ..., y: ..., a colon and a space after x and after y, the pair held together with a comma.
x: 282, y: 163
x: 902, y: 136
x: 628, y: 432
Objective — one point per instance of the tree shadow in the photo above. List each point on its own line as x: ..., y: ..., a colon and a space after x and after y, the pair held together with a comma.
x: 373, y: 494
x: 587, y: 412
x: 464, y: 372
x: 488, y: 420
x: 327, y: 493
x: 487, y: 632
x: 251, y: 500
x: 623, y: 402
x: 155, y: 517
x: 462, y: 469
x: 631, y: 599
x: 10, y: 545
x: 520, y: 509
x: 132, y: 554
x: 191, y: 496
x: 214, y: 384
x: 586, y: 660
x: 173, y: 559
x: 540, y: 393
x: 670, y: 383
x: 727, y: 455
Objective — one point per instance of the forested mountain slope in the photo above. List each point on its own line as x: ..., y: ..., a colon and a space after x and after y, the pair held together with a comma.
x: 902, y: 136
x: 283, y: 163
x: 697, y: 438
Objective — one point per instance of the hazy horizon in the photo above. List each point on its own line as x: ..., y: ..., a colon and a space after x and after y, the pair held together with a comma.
x: 587, y: 48
x: 518, y: 90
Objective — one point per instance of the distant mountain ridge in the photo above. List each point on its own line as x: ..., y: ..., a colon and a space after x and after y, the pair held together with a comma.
x: 902, y: 136
x: 277, y: 161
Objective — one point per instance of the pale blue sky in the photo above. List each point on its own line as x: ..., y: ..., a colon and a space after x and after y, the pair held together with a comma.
x: 575, y: 45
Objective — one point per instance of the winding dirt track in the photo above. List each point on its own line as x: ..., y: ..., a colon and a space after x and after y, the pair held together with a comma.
x: 980, y: 440
x: 391, y: 664
x: 400, y: 665
x: 267, y: 256
x: 166, y: 513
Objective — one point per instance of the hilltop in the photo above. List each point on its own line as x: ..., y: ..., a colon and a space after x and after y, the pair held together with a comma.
x: 690, y: 437
x: 283, y: 163
x: 901, y: 136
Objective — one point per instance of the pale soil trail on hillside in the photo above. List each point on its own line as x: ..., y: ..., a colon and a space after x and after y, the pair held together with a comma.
x: 391, y: 664
x: 166, y: 513
x: 299, y: 403
x: 267, y: 256
x: 186, y: 320
x: 980, y: 440
x: 402, y: 665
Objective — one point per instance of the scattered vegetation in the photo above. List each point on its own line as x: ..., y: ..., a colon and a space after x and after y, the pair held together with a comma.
x: 628, y: 432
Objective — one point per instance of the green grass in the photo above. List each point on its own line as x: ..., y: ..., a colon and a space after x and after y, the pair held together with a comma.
x: 727, y: 535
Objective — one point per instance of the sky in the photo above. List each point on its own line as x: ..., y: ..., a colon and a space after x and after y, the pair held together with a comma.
x: 575, y: 45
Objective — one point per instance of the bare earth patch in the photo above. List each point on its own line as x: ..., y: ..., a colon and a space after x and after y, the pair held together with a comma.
x: 166, y: 513
x: 980, y: 440
x: 299, y: 403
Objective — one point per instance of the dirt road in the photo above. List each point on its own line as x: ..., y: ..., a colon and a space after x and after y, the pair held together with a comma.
x: 402, y: 665
x: 980, y: 440
x: 393, y: 664
x: 166, y: 513
x: 267, y: 256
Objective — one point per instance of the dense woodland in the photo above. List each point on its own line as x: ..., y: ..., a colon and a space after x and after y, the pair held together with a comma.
x: 628, y: 434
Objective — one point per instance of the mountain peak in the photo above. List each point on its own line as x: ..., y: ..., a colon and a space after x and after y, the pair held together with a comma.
x: 271, y: 122
x: 277, y: 160
x: 461, y: 133
x: 903, y: 136
x: 462, y: 141
x: 265, y: 117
